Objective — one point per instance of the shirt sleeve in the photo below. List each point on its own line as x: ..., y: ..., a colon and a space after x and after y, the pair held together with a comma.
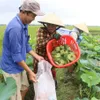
x: 15, y: 44
x: 74, y: 35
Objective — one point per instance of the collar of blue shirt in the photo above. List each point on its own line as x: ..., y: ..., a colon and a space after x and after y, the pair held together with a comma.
x: 25, y: 26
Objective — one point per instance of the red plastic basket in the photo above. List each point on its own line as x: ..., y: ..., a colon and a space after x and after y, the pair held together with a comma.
x: 65, y: 39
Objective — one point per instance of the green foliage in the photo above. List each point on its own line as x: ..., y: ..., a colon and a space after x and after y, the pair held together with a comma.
x: 2, y: 28
x: 29, y: 61
x: 91, y: 78
x: 0, y: 71
x: 88, y: 68
x: 84, y: 64
x: 7, y: 88
x: 1, y: 76
x: 32, y: 32
x: 94, y: 98
x: 81, y: 99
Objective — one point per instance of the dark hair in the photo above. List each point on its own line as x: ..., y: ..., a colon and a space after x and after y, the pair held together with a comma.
x: 24, y: 11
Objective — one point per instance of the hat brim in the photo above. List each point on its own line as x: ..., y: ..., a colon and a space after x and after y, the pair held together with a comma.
x: 39, y: 13
x: 83, y: 29
x: 51, y: 18
x: 82, y: 26
x: 43, y: 22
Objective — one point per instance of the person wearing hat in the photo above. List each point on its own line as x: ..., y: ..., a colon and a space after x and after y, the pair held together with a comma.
x: 51, y: 23
x: 77, y: 35
x: 76, y: 32
x: 15, y: 47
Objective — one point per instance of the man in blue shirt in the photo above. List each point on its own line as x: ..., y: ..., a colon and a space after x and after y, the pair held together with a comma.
x: 15, y: 46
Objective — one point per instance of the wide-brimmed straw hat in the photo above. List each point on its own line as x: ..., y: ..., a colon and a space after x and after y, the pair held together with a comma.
x: 31, y: 5
x: 82, y: 26
x: 51, y: 18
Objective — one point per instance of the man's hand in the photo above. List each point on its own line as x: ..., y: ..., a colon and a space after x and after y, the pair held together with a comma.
x: 32, y: 77
x: 39, y: 58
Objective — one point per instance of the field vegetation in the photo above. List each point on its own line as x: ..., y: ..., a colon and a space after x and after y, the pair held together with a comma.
x: 83, y: 82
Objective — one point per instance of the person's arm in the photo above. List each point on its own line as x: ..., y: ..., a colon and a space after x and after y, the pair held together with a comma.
x: 15, y: 48
x: 74, y: 35
x: 31, y: 74
x: 39, y: 58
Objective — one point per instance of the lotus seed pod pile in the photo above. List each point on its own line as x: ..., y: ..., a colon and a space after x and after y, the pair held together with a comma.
x: 63, y: 55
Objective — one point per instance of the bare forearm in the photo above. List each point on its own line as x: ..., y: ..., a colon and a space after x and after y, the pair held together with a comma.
x: 24, y: 65
x: 38, y: 57
x: 32, y: 75
x: 33, y: 54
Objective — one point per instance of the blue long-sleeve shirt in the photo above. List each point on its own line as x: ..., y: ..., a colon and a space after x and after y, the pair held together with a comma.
x: 15, y: 46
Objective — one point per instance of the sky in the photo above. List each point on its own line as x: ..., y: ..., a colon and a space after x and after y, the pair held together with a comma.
x: 70, y: 11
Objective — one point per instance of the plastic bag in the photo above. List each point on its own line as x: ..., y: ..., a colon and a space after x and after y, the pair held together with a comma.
x: 45, y: 87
